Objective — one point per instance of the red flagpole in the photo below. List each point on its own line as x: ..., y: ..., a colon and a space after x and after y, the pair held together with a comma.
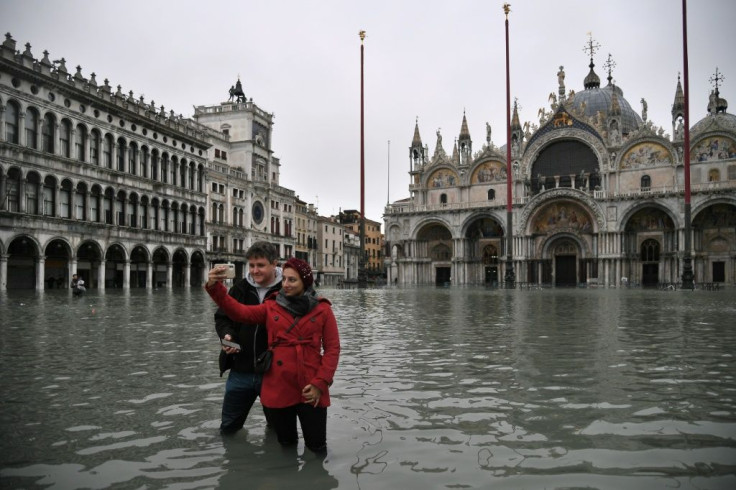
x: 509, y: 276
x: 687, y: 266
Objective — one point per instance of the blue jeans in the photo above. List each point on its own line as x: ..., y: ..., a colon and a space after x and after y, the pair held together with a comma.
x: 241, y: 391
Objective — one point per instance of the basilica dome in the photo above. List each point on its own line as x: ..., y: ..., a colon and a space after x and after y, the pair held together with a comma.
x: 717, y: 118
x: 595, y: 99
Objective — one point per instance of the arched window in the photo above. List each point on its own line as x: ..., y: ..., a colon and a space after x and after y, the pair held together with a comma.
x: 107, y: 203
x: 714, y: 175
x: 174, y: 168
x: 120, y: 205
x: 443, y: 198
x: 107, y: 151
x: 200, y: 178
x: 32, y: 128
x: 65, y: 199
x: 154, y: 164
x: 49, y: 196
x: 48, y: 130
x: 12, y: 114
x: 650, y: 251
x: 144, y: 212
x: 94, y: 147
x: 144, y: 161
x: 214, y: 212
x: 235, y: 216
x: 165, y: 168
x: 80, y: 143
x: 121, y: 154
x: 132, y: 156
x: 65, y: 138
x: 12, y: 190
x: 95, y: 204
x: 183, y: 173
x: 33, y: 191
x: 220, y: 213
x: 646, y: 183
x: 491, y: 194
x: 80, y: 202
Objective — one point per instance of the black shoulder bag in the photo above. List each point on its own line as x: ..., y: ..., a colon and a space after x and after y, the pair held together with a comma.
x: 262, y: 363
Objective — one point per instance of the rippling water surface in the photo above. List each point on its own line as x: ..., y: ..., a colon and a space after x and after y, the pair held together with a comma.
x: 436, y: 388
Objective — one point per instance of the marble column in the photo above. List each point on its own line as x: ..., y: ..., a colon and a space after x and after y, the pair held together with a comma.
x: 40, y: 273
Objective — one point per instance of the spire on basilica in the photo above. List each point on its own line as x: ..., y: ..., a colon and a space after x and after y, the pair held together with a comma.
x: 678, y: 106
x: 417, y: 140
x: 592, y: 80
x: 515, y: 124
x: 464, y: 133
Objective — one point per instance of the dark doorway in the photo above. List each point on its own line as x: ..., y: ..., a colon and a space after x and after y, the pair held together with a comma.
x: 442, y: 276
x: 719, y: 272
x: 649, y: 275
x: 565, y: 270
x: 491, y: 277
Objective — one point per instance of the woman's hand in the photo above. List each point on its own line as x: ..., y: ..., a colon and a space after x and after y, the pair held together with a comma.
x: 217, y: 273
x: 311, y: 394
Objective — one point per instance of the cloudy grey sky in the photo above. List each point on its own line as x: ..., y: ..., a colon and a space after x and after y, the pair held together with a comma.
x: 425, y: 59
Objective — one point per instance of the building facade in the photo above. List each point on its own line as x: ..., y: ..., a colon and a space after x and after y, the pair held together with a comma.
x: 598, y: 198
x: 330, y: 259
x: 96, y: 182
x: 306, y: 246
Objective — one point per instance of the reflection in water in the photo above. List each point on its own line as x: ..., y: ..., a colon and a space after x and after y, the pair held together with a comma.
x: 436, y: 388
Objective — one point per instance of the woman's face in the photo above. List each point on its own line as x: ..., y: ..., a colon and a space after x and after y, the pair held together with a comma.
x: 292, y: 285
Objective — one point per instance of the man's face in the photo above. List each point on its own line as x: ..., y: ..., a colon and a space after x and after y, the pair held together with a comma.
x: 262, y: 271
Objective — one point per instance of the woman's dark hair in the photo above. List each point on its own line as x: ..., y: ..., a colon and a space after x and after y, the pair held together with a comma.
x: 262, y: 250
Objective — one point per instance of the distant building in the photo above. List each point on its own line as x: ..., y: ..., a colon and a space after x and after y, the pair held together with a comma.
x: 373, y: 238
x: 306, y: 218
x: 597, y: 198
x: 351, y: 247
x: 330, y: 260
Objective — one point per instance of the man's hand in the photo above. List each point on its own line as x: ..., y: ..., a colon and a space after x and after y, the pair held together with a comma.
x: 229, y: 350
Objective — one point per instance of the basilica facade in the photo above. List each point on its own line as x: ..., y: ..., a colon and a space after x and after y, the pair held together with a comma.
x: 598, y: 198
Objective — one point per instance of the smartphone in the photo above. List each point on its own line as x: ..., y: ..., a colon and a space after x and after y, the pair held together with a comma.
x: 230, y: 272
x: 227, y: 343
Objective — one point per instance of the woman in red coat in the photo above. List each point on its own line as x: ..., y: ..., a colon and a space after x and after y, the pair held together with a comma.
x: 306, y: 346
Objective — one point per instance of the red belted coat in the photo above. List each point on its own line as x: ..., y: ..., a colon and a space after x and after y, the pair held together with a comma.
x: 308, y: 354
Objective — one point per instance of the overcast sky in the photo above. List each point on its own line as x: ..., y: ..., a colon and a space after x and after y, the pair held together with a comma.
x: 425, y: 59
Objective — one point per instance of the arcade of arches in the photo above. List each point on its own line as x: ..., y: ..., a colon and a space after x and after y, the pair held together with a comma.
x: 27, y: 264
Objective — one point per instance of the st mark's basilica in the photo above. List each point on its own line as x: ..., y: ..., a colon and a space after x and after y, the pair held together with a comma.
x: 598, y: 196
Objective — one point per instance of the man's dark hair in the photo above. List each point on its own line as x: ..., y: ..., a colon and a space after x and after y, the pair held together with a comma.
x: 262, y: 250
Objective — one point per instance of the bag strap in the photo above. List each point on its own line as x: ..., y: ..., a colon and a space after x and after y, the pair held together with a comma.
x: 296, y: 320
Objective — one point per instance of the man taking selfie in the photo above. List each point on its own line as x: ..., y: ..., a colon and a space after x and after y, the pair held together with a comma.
x: 243, y: 383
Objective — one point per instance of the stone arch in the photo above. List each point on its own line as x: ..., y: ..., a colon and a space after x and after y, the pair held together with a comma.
x: 23, y: 252
x: 560, y: 215
x: 541, y: 200
x: 89, y: 258
x: 197, y: 268
x: 625, y: 219
x: 179, y: 262
x: 161, y: 260
x: 58, y: 253
x: 115, y: 257
x: 139, y: 259
x: 538, y: 145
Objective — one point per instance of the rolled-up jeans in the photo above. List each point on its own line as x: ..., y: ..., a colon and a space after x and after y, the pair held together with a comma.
x: 241, y: 391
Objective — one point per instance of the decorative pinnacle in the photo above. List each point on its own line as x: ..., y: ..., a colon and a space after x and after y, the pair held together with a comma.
x: 362, y: 35
x: 609, y: 65
x: 506, y: 9
x: 591, y: 47
x: 716, y: 79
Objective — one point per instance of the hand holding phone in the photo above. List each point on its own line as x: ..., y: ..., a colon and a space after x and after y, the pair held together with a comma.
x: 232, y: 345
x: 230, y: 271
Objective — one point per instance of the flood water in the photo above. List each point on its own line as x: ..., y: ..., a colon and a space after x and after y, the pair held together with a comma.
x: 447, y: 388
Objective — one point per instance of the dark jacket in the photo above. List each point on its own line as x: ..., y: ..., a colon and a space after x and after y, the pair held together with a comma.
x: 253, y: 338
